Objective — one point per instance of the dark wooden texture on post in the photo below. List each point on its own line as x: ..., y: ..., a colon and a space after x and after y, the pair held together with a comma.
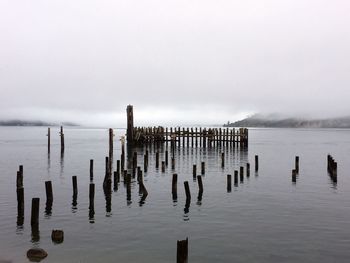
x: 34, y: 221
x: 187, y: 190
x: 236, y: 178
x: 48, y: 140
x: 62, y: 139
x: 229, y: 183
x: 75, y: 185
x: 182, y: 251
x: 174, y: 187
x: 48, y: 190
x: 91, y: 170
x: 297, y: 164
x: 130, y: 124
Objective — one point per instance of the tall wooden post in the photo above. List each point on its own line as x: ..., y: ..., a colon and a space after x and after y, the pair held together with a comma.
x: 130, y: 124
x: 48, y: 140
x: 62, y: 140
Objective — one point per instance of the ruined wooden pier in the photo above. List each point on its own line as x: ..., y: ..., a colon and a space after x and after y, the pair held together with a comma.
x: 184, y: 136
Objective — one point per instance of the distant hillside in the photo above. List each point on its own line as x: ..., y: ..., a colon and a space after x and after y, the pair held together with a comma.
x: 268, y: 122
x: 33, y: 123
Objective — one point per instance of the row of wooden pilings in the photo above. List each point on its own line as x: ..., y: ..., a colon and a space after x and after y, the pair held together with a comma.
x: 191, y: 137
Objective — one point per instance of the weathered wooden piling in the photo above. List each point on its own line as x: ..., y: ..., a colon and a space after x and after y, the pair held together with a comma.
x: 182, y: 251
x: 145, y: 163
x: 62, y: 140
x: 173, y: 163
x: 200, y: 183
x: 48, y: 190
x: 332, y: 167
x: 248, y: 169
x: 194, y: 171
x: 110, y: 142
x: 241, y: 173
x: 166, y: 158
x: 118, y: 170
x: 130, y: 124
x: 294, y: 176
x: 236, y: 178
x: 157, y: 159
x: 256, y: 163
x: 203, y: 168
x: 75, y: 185
x: 174, y: 187
x: 91, y: 201
x: 34, y: 221
x: 91, y: 170
x: 19, y: 179
x: 128, y: 187
x: 116, y: 179
x: 163, y: 166
x: 229, y: 183
x: 297, y: 164
x: 134, y: 160
x: 187, y: 191
x: 222, y: 160
x: 48, y: 140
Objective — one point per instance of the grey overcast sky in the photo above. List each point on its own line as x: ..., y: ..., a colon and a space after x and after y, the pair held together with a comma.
x: 177, y: 62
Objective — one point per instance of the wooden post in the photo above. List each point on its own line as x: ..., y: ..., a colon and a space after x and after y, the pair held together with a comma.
x: 241, y: 174
x: 174, y: 187
x: 75, y: 185
x: 118, y: 168
x: 194, y: 171
x: 200, y: 183
x: 196, y: 137
x: 157, y: 159
x: 187, y: 190
x: 35, y: 212
x: 48, y: 190
x: 110, y: 133
x: 128, y: 187
x: 297, y: 164
x: 229, y: 183
x: 130, y: 124
x: 145, y: 165
x: 91, y: 170
x: 294, y: 176
x: 166, y: 158
x: 62, y: 140
x: 48, y: 140
x: 248, y: 169
x: 163, y: 167
x: 91, y: 201
x: 222, y: 159
x: 203, y: 168
x: 256, y: 163
x: 134, y: 160
x: 182, y: 251
x: 173, y: 163
x: 236, y: 178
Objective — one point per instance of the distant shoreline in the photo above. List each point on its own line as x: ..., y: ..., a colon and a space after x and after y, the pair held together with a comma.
x: 21, y: 123
x: 258, y: 121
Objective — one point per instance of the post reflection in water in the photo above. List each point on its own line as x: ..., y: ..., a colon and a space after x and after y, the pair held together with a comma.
x: 91, y: 203
x: 35, y: 235
x: 48, y: 209
x: 74, y: 202
x: 107, y: 189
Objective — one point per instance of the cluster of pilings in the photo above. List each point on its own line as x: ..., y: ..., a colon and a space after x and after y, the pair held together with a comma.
x: 181, y: 136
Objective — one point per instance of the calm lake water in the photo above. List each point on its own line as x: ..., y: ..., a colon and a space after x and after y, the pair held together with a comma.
x: 266, y: 218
